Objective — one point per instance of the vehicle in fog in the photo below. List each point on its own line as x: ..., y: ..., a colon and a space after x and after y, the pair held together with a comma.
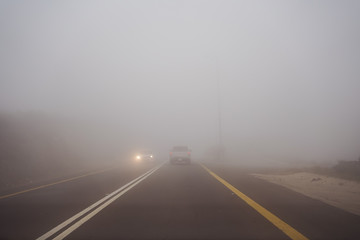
x: 145, y: 156
x: 180, y: 154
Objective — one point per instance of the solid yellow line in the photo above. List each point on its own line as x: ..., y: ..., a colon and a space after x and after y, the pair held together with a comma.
x: 283, y: 226
x: 55, y: 183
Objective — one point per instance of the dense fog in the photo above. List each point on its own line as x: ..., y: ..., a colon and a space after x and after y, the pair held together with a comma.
x: 110, y: 77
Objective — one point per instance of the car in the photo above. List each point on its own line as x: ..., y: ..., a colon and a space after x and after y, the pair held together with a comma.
x: 144, y: 156
x: 180, y: 154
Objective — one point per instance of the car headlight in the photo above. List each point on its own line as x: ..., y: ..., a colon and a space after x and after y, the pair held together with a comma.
x: 151, y: 156
x: 138, y: 157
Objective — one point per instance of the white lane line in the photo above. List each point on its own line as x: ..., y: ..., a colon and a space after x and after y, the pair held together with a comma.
x: 98, y: 203
x: 97, y: 210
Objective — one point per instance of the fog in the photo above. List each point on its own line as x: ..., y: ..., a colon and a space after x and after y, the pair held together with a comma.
x: 125, y: 75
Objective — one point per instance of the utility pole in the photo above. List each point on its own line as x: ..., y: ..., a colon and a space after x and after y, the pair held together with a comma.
x: 220, y: 143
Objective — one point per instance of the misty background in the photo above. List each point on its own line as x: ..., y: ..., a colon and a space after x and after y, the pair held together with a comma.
x: 100, y: 79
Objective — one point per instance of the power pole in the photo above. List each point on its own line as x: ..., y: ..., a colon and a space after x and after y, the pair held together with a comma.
x: 220, y: 143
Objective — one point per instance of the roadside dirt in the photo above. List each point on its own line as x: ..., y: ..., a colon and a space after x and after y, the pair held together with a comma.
x: 344, y: 194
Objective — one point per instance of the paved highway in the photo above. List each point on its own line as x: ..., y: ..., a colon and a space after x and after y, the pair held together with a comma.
x: 163, y: 201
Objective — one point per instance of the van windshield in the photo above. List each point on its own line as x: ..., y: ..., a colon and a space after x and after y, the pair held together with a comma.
x: 180, y: 149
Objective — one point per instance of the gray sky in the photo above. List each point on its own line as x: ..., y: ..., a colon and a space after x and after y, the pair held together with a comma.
x: 289, y: 71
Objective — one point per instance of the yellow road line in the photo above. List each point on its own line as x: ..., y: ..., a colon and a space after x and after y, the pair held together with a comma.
x: 55, y: 183
x: 283, y: 226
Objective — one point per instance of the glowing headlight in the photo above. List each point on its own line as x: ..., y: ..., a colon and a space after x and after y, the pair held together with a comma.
x: 138, y: 157
x: 151, y: 156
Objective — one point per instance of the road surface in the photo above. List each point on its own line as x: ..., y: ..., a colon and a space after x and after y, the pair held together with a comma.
x: 153, y: 201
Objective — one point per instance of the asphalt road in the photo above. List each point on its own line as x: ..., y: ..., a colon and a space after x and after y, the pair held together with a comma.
x: 171, y: 202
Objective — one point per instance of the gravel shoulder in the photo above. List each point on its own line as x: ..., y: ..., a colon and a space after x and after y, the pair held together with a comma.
x: 341, y: 193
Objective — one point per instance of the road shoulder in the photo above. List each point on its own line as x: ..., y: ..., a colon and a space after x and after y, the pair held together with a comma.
x: 341, y: 193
